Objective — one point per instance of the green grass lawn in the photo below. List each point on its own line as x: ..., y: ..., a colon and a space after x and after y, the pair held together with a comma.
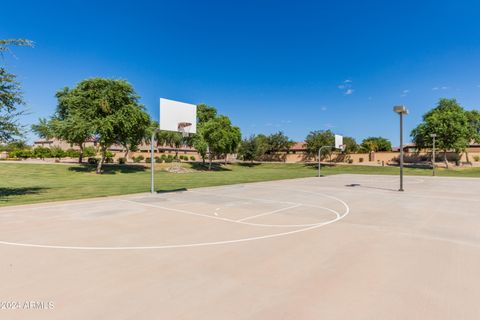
x: 30, y: 183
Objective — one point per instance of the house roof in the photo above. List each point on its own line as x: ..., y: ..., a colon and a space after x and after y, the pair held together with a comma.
x: 299, y: 146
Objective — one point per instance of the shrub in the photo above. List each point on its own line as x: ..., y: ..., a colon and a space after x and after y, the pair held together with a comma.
x: 20, y: 154
x: 122, y: 160
x: 476, y: 158
x: 89, y: 152
x: 163, y: 157
x: 57, y: 152
x: 169, y: 159
x: 92, y: 160
x: 360, y: 159
x: 158, y: 159
x: 192, y: 158
x: 109, y: 154
x: 148, y: 160
x: 139, y: 158
x: 72, y: 153
x: 109, y: 160
x: 42, y: 152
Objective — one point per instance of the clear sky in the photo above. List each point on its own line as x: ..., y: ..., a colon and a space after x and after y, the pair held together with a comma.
x: 270, y: 65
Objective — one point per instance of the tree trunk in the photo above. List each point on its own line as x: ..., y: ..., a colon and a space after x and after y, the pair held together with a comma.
x: 445, y: 158
x: 126, y: 152
x: 466, y: 157
x: 225, y: 158
x: 80, y: 156
x: 102, y: 160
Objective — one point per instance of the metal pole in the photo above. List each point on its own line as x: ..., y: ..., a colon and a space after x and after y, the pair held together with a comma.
x: 401, y: 152
x: 433, y: 157
x: 319, y: 155
x: 152, y: 163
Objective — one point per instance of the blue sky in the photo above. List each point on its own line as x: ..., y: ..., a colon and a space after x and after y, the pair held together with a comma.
x: 293, y: 66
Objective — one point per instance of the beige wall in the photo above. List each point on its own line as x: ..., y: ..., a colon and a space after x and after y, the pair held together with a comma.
x: 380, y: 157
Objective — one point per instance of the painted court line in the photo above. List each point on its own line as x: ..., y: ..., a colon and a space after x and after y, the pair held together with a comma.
x: 201, y: 244
x: 231, y: 220
x: 269, y: 212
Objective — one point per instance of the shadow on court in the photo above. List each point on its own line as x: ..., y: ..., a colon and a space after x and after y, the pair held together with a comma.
x: 171, y: 190
x: 357, y: 185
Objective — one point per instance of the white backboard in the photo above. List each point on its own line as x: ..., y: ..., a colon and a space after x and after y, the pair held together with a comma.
x: 338, y: 141
x: 173, y: 112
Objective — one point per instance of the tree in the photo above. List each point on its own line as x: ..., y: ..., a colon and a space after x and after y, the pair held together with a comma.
x: 248, y: 149
x: 105, y: 109
x: 234, y: 137
x: 170, y: 138
x: 449, y: 121
x: 10, y: 95
x: 375, y: 144
x: 262, y: 146
x: 277, y: 142
x: 134, y: 132
x: 199, y: 143
x: 15, y: 145
x: 205, y: 113
x: 351, y: 145
x: 317, y: 139
x: 5, y: 44
x: 10, y: 98
x: 68, y: 123
x: 220, y: 136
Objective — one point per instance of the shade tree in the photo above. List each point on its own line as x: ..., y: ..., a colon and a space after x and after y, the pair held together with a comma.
x: 453, y: 126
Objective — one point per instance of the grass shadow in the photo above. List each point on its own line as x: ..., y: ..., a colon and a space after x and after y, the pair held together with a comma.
x: 204, y: 167
x: 248, y: 164
x: 109, y: 168
x: 9, y: 192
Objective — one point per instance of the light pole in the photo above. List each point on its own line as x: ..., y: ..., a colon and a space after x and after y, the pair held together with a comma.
x: 401, y: 110
x: 433, y: 135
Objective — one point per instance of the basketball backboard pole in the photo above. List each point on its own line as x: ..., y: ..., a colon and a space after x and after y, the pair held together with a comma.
x: 177, y: 117
x: 320, y: 156
x: 152, y: 161
x: 338, y: 145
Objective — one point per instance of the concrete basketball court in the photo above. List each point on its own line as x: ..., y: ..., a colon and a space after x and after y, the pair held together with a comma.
x: 314, y: 248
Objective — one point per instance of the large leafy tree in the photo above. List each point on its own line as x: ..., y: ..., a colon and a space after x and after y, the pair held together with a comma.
x: 277, y: 142
x: 10, y: 96
x: 260, y: 147
x: 221, y: 136
x: 105, y: 109
x: 68, y: 123
x: 136, y: 130
x: 205, y: 113
x: 374, y: 144
x: 317, y: 139
x: 451, y: 124
x: 351, y: 145
x: 248, y: 149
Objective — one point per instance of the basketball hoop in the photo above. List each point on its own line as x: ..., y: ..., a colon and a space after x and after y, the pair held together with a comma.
x: 184, y: 128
